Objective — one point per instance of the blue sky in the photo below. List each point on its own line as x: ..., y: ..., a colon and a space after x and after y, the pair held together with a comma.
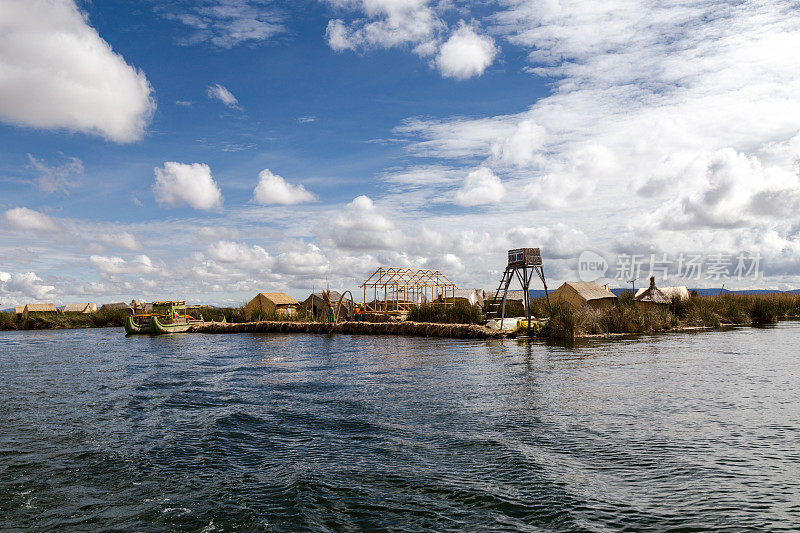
x: 213, y: 149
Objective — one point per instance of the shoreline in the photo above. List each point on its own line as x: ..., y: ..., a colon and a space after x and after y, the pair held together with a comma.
x: 407, y: 328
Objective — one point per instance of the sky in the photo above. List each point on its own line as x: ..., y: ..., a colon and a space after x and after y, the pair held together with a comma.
x: 213, y: 149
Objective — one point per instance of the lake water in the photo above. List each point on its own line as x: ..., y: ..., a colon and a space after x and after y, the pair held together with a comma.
x: 294, y: 432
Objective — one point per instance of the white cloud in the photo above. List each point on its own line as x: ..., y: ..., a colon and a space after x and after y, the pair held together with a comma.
x: 480, y: 187
x: 26, y: 284
x: 227, y: 23
x: 522, y: 147
x: 306, y: 119
x: 28, y: 219
x: 58, y: 73
x: 273, y: 189
x: 302, y: 259
x: 121, y: 239
x: 218, y: 92
x: 141, y: 264
x: 179, y: 183
x: 362, y: 226
x: 240, y: 255
x: 385, y: 24
x: 465, y: 54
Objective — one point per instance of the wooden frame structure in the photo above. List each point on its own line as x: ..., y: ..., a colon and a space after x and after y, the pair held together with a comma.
x: 402, y: 288
x: 523, y: 263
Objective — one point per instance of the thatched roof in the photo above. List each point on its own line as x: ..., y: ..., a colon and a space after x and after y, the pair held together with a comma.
x: 80, y: 308
x: 41, y: 308
x: 653, y: 295
x: 589, y: 290
x: 279, y: 298
x: 673, y: 293
x: 116, y: 305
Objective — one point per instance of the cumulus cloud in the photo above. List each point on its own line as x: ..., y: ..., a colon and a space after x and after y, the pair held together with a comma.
x: 28, y: 219
x: 60, y: 74
x: 58, y: 177
x: 141, y: 264
x: 465, y: 54
x: 481, y: 186
x: 26, y: 284
x: 273, y: 189
x: 218, y: 92
x: 227, y: 23
x: 179, y: 183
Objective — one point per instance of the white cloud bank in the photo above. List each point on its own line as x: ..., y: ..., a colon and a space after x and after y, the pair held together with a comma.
x: 218, y: 92
x: 273, y: 189
x: 58, y: 73
x: 179, y: 183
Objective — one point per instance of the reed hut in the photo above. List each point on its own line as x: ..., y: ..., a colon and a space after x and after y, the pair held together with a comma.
x: 116, y: 305
x: 84, y: 309
x: 673, y: 293
x: 315, y: 304
x: 269, y: 303
x: 19, y: 309
x: 473, y: 297
x: 579, y: 294
x: 652, y: 297
x: 39, y: 308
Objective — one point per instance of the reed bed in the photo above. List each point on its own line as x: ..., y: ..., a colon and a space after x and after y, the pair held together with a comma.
x: 99, y: 319
x: 446, y: 314
x: 698, y: 311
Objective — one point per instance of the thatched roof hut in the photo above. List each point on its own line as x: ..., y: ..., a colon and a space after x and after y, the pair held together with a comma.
x: 80, y: 308
x: 115, y: 305
x: 315, y: 303
x: 578, y: 294
x: 39, y: 308
x: 269, y: 303
x: 673, y: 293
x: 652, y: 297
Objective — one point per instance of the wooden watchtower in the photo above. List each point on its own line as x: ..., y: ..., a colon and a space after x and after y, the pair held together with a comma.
x: 523, y: 263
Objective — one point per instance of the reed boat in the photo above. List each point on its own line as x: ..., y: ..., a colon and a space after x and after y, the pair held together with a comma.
x: 165, y: 317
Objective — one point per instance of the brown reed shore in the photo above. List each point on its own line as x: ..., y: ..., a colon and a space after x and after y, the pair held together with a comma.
x: 407, y: 328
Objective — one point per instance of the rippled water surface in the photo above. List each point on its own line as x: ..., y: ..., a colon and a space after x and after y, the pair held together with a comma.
x: 280, y: 432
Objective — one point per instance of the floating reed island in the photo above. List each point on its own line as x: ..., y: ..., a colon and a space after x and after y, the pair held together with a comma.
x: 407, y: 328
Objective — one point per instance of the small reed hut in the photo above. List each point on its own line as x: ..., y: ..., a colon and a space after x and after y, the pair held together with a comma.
x: 673, y: 293
x: 39, y: 308
x: 272, y: 303
x: 316, y: 306
x: 579, y: 294
x: 652, y: 297
x: 83, y: 309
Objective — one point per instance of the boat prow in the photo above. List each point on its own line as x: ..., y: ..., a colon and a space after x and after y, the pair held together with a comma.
x: 158, y: 328
x: 132, y: 328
